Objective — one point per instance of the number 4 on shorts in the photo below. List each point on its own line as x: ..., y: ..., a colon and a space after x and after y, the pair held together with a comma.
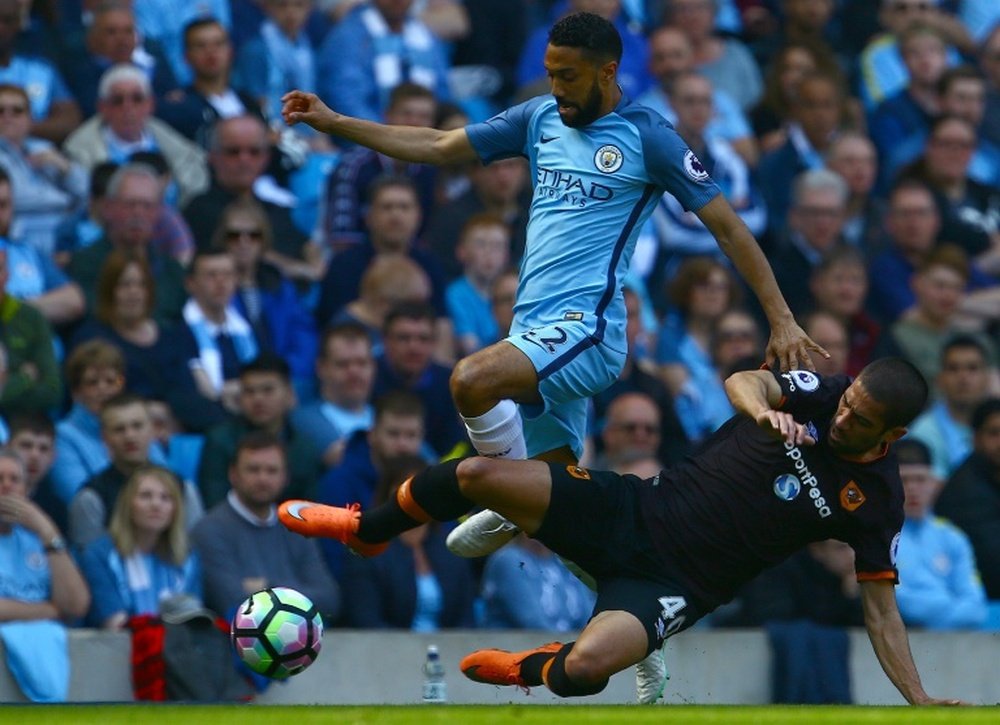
x: 671, y: 606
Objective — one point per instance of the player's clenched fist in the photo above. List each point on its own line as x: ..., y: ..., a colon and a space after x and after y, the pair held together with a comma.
x: 306, y: 107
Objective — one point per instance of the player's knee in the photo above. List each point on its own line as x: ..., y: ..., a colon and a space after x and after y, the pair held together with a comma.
x: 474, y: 475
x: 586, y: 665
x: 466, y: 384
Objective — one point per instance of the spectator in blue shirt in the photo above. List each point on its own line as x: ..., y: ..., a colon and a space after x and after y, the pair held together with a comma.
x: 939, y: 587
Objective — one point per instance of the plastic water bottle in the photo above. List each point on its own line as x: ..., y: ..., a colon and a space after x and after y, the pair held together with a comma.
x: 435, y: 689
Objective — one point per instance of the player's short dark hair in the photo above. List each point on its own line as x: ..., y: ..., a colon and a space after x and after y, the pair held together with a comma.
x: 31, y: 421
x: 898, y: 386
x: 409, y: 311
x: 596, y: 37
x: 983, y: 412
x: 965, y: 341
x: 399, y: 402
x: 910, y: 451
x: 268, y: 363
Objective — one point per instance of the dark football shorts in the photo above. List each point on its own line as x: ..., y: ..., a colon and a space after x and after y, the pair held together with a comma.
x: 594, y: 520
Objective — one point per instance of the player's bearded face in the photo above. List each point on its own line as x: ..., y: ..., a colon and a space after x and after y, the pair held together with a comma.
x: 579, y: 114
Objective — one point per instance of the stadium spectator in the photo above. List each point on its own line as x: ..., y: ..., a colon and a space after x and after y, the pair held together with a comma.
x: 839, y: 286
x: 815, y: 220
x: 244, y: 549
x: 826, y: 326
x: 989, y: 63
x: 681, y: 232
x: 111, y: 39
x: 501, y: 188
x: 144, y: 557
x: 32, y: 438
x: 484, y: 253
x: 963, y: 382
x: 377, y: 46
x: 723, y: 60
x: 939, y: 587
x: 417, y: 584
x: 123, y: 316
x: 806, y: 23
x: 238, y: 154
x: 194, y: 109
x: 345, y: 369
x: 389, y: 281
x: 639, y: 375
x: 82, y: 229
x: 899, y: 124
x: 971, y: 498
x: 264, y: 296
x: 41, y: 586
x: 407, y: 364
x: 34, y: 278
x: 969, y: 211
x: 670, y: 56
x: 488, y: 54
x: 502, y: 297
x: 912, y: 225
x: 633, y: 71
x: 127, y: 435
x: 54, y: 113
x: 818, y: 114
x: 164, y: 21
x: 963, y: 94
x: 131, y: 209
x: 398, y: 430
x: 881, y: 70
x: 47, y: 185
x: 266, y: 399
x: 32, y: 382
x: 939, y: 285
x: 772, y: 116
x: 279, y: 57
x: 392, y: 219
x: 852, y: 155
x: 346, y: 196
x: 124, y: 124
x: 631, y: 433
x: 700, y: 293
x: 214, y: 340
x: 171, y: 234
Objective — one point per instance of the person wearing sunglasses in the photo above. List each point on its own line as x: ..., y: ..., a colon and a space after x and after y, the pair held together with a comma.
x: 124, y: 124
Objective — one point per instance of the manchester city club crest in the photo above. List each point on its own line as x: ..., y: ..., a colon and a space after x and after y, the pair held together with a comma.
x: 608, y: 159
x: 693, y: 167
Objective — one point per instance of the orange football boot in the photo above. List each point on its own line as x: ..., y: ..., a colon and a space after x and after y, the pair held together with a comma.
x: 500, y: 667
x: 331, y: 522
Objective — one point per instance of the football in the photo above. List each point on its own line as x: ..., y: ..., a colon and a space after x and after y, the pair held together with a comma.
x: 277, y: 632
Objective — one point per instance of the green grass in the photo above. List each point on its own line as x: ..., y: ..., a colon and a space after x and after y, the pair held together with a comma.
x: 484, y: 715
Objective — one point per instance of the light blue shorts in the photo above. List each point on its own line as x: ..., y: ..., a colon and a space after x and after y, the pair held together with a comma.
x: 572, y: 367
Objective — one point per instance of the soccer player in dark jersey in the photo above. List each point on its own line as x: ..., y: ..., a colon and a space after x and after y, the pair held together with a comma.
x: 806, y: 458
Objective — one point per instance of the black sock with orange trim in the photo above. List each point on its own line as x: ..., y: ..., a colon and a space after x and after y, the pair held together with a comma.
x: 431, y: 495
x: 556, y: 679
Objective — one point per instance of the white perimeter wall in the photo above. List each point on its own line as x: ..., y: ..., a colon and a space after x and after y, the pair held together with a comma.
x: 706, y: 666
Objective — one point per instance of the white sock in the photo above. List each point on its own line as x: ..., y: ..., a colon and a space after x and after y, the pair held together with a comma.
x: 497, y: 433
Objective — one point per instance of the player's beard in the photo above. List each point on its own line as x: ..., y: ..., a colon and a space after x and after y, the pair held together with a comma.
x: 587, y: 113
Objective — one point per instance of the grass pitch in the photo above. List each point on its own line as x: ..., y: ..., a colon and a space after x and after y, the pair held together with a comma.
x: 485, y: 715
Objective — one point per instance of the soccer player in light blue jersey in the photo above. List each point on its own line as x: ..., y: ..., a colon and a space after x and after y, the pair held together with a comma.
x: 599, y: 165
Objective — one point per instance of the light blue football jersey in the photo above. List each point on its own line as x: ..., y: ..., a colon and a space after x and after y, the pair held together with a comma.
x: 594, y: 187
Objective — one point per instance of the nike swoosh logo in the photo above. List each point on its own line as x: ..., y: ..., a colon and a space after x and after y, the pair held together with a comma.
x: 294, y: 509
x: 550, y: 139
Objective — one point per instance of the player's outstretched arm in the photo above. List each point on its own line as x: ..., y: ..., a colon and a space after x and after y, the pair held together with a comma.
x: 415, y: 144
x: 892, y: 647
x: 788, y: 344
x: 755, y: 394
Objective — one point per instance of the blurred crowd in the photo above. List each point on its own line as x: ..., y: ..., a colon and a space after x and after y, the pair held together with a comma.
x: 204, y: 311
